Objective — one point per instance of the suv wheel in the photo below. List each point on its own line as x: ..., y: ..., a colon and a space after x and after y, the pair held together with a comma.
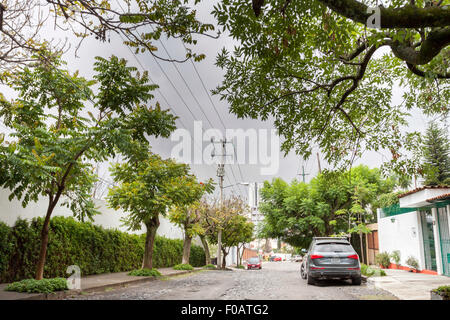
x: 302, y: 271
x: 311, y: 280
x: 356, y: 281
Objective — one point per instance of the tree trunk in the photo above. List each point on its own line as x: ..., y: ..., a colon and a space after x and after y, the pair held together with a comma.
x: 151, y: 226
x: 219, y: 248
x: 186, y: 248
x: 224, y: 262
x: 242, y: 253
x: 44, y: 236
x: 206, y: 248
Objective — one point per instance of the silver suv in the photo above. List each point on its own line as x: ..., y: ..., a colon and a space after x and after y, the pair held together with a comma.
x: 331, y: 258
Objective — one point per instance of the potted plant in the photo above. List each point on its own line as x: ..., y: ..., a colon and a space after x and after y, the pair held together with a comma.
x: 412, y: 263
x: 395, y: 256
x: 441, y: 293
x: 383, y: 259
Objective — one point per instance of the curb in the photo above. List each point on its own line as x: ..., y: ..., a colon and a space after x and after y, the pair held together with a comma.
x: 59, y: 295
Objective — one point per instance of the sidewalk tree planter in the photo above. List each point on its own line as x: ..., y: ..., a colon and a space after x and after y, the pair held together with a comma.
x: 39, y: 286
x: 183, y: 266
x: 441, y: 293
x: 413, y: 264
x: 395, y: 256
x: 145, y: 273
x: 383, y: 259
x: 56, y: 138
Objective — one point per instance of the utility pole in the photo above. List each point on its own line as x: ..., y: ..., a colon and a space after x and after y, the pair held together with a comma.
x: 220, y: 175
x: 303, y: 173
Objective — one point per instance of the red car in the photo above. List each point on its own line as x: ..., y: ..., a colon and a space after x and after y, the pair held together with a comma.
x: 254, y: 263
x: 277, y: 259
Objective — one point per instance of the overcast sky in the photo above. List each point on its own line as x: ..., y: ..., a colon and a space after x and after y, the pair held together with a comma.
x: 172, y: 86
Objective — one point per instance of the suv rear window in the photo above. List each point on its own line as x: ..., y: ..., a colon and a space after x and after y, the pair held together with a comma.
x: 333, y: 247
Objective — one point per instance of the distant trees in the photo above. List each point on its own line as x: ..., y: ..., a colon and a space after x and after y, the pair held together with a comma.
x: 436, y: 151
x: 332, y: 203
x: 226, y: 218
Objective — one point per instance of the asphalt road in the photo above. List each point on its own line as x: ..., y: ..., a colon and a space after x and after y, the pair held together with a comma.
x: 276, y: 281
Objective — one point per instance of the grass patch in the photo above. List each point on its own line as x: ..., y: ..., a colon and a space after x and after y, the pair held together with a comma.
x: 183, y: 267
x: 370, y: 272
x: 38, y: 286
x: 145, y: 273
x: 209, y: 267
x: 240, y: 267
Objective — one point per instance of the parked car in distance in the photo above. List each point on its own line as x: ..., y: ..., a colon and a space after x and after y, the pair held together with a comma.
x: 254, y: 263
x: 277, y: 258
x: 331, y: 258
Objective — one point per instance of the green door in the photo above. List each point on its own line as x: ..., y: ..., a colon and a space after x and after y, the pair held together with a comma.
x: 444, y: 234
x: 428, y: 239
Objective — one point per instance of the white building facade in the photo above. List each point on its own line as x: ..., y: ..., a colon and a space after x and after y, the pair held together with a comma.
x: 419, y: 227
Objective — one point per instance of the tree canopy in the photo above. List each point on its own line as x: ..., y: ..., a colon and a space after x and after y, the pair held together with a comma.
x: 56, y: 137
x: 328, y: 205
x: 141, y: 23
x: 327, y: 76
x: 436, y: 155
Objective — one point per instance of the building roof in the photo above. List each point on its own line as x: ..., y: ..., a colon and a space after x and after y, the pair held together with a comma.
x: 441, y: 197
x: 422, y: 188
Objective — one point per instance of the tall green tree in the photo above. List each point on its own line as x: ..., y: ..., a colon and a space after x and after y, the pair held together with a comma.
x: 56, y: 136
x: 148, y: 187
x: 326, y: 72
x: 436, y: 153
x: 331, y: 203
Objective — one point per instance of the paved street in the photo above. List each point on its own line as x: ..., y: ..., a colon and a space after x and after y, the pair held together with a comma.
x: 276, y: 281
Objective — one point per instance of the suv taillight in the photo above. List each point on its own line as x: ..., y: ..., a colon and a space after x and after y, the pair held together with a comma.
x: 316, y: 256
x: 353, y: 256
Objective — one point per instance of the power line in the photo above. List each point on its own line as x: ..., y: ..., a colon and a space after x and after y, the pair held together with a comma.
x: 173, y: 86
x: 196, y: 100
x: 165, y: 99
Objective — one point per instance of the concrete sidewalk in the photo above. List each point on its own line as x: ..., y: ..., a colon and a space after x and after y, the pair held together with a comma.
x: 408, y: 285
x: 91, y: 283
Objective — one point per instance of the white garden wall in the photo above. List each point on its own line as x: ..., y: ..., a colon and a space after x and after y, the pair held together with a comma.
x: 402, y: 232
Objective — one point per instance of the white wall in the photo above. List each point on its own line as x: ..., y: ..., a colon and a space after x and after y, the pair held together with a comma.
x: 402, y: 232
x: 10, y: 211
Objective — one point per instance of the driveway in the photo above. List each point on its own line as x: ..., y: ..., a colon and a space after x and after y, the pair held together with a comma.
x: 276, y: 281
x: 409, y: 286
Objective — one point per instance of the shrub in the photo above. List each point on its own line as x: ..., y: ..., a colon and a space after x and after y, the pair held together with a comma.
x: 183, y: 267
x: 366, y: 270
x: 240, y: 267
x: 209, y: 266
x: 383, y: 259
x: 443, y: 291
x: 94, y: 249
x: 395, y: 256
x: 145, y: 273
x: 412, y: 262
x: 38, y: 286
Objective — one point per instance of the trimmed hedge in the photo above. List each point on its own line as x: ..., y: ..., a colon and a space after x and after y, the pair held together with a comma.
x: 93, y: 248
